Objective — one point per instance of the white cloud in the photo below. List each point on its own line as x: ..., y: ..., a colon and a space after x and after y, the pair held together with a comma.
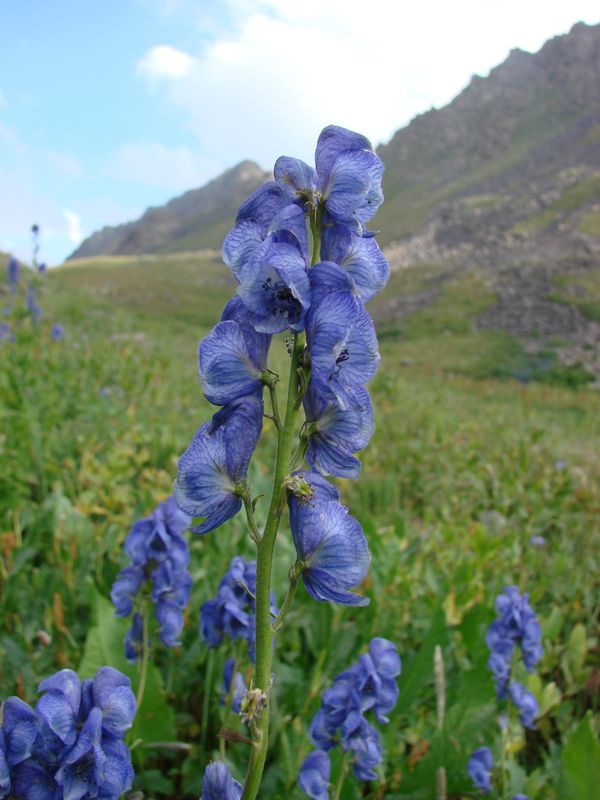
x: 287, y: 69
x: 164, y: 61
x: 170, y: 168
x: 73, y: 226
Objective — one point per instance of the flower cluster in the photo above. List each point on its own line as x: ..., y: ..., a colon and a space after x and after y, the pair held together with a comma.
x: 280, y: 289
x: 158, y: 553
x: 480, y: 766
x: 71, y: 744
x: 516, y: 625
x: 231, y: 611
x: 369, y: 684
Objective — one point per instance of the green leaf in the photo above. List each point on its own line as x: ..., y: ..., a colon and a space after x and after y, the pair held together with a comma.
x: 419, y: 672
x: 580, y: 776
x: 155, y: 719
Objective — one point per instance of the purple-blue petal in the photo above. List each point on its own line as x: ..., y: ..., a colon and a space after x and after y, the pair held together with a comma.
x: 218, y: 783
x: 332, y: 142
x: 314, y: 775
x: 227, y: 368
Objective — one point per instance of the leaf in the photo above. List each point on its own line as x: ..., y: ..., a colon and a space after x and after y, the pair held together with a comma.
x: 580, y: 776
x: 419, y: 672
x: 155, y: 719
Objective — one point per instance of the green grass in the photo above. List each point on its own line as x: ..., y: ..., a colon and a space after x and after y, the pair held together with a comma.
x: 465, y: 466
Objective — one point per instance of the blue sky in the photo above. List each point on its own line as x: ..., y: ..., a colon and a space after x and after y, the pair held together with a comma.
x: 109, y: 107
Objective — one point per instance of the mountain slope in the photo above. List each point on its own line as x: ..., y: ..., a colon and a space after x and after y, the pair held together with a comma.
x: 196, y: 220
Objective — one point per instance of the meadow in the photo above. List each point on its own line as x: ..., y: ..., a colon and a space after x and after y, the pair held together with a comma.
x: 473, y: 481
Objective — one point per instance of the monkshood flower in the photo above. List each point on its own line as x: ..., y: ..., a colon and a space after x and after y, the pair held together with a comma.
x: 57, y: 333
x: 343, y: 346
x: 525, y: 703
x: 276, y: 288
x: 212, y: 471
x: 6, y: 335
x: 239, y: 686
x: 314, y: 775
x: 42, y: 268
x: 366, y: 266
x: 365, y: 686
x: 13, y: 272
x: 480, y: 768
x: 332, y: 551
x: 516, y: 624
x: 218, y: 783
x: 347, y: 179
x: 231, y: 611
x: 334, y: 433
x: 159, y: 554
x: 233, y: 357
x: 34, y: 309
x: 5, y: 781
x: 71, y: 745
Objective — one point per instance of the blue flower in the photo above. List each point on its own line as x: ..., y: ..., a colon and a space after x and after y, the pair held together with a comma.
x: 376, y: 676
x: 335, y: 433
x: 159, y: 536
x: 366, y: 266
x: 276, y: 288
x: 231, y: 612
x: 212, y: 471
x: 134, y: 640
x: 332, y: 550
x: 218, y: 783
x: 480, y: 768
x: 6, y: 335
x: 125, y: 588
x: 516, y: 624
x: 32, y: 305
x: 19, y: 724
x: 343, y: 346
x: 314, y: 775
x: 347, y: 178
x: 362, y: 739
x: 13, y: 271
x: 5, y: 781
x: 525, y: 703
x: 233, y: 356
x: 57, y: 332
x: 239, y: 687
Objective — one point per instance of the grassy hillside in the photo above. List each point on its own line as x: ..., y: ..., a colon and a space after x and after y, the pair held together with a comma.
x: 465, y: 467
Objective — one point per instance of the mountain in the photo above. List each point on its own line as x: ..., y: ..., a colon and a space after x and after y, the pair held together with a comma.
x: 196, y: 220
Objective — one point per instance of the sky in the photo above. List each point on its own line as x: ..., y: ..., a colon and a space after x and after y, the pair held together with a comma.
x: 109, y: 107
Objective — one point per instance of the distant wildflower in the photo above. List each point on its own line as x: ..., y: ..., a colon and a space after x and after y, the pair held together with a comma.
x: 314, y: 775
x: 231, y: 611
x: 159, y: 554
x: 537, y: 541
x: 560, y: 465
x: 525, y: 703
x: 42, y: 268
x: 239, y: 686
x: 368, y: 685
x: 57, y: 332
x: 71, y: 744
x: 34, y: 309
x: 6, y: 335
x: 516, y: 624
x: 218, y: 783
x: 13, y: 272
x: 480, y: 768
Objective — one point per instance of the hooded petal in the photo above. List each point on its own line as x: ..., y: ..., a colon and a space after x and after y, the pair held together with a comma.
x: 125, y: 588
x: 353, y: 191
x: 20, y: 726
x: 67, y: 683
x: 170, y: 620
x: 333, y: 141
x: 227, y: 368
x: 218, y: 783
x: 365, y: 264
x: 333, y: 550
x: 112, y: 693
x: 241, y: 422
x: 241, y: 244
x: 314, y: 775
x: 297, y: 174
x: 258, y: 343
x: 265, y: 203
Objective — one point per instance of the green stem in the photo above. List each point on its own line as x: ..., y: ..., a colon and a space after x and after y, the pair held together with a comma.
x: 344, y: 766
x: 275, y: 407
x: 315, y: 226
x: 264, y: 633
x: 145, y: 657
x: 206, y: 702
x: 252, y: 526
x: 289, y: 599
